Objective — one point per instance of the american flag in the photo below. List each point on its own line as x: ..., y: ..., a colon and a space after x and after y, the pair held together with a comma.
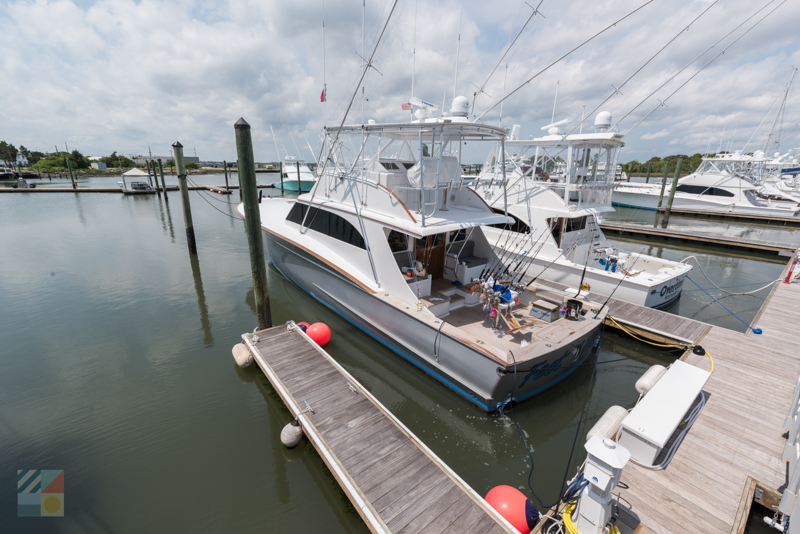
x: 405, y: 106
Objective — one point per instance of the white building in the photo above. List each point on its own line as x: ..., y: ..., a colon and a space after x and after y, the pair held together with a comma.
x: 22, y: 160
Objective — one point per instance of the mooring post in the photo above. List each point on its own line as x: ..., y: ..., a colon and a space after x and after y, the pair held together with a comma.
x: 252, y: 220
x: 649, y: 164
x: 177, y: 150
x: 163, y: 183
x: 225, y: 165
x: 155, y: 177
x: 663, y: 186
x: 71, y: 177
x: 280, y: 167
x: 630, y: 167
x: 672, y: 191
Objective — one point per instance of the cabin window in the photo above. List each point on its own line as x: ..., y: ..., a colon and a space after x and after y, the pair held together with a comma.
x: 398, y: 242
x: 519, y: 226
x: 389, y: 165
x: 575, y: 224
x: 327, y: 223
x: 703, y: 190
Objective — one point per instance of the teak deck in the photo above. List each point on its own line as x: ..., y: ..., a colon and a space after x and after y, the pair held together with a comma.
x: 394, y: 481
x: 738, y: 243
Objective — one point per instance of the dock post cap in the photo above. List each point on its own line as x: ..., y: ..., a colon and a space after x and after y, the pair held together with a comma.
x: 177, y: 144
x: 241, y: 123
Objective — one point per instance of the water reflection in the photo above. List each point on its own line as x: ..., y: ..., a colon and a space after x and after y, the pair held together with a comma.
x: 205, y: 322
x: 165, y: 208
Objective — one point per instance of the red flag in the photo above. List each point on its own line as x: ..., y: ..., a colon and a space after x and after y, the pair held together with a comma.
x: 405, y: 106
x: 323, y: 97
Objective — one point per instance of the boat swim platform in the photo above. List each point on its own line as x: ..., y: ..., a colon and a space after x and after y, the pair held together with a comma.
x: 736, y: 443
x: 753, y: 245
x: 783, y: 221
x: 395, y: 482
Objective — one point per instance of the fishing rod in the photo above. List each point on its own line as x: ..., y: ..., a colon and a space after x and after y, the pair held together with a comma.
x: 521, y: 254
x: 578, y: 242
x: 586, y: 263
x: 491, y: 265
x: 517, y: 251
x: 510, y: 253
x: 529, y: 258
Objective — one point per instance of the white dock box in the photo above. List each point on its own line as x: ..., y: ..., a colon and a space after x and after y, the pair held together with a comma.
x: 650, y: 424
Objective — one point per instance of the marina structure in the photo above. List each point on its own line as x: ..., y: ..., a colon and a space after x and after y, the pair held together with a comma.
x: 394, y: 243
x: 557, y: 188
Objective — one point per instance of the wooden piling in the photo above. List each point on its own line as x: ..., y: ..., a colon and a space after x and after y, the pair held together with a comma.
x: 672, y: 191
x: 225, y: 166
x: 163, y: 183
x: 252, y: 220
x: 177, y: 150
x: 663, y: 186
x: 280, y: 166
x: 71, y: 176
x: 649, y: 165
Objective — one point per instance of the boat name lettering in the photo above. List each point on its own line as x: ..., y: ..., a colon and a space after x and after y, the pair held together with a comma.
x: 666, y: 290
x: 542, y: 369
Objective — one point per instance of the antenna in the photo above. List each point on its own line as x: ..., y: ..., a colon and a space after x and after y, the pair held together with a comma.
x: 553, y: 117
x: 554, y: 124
x: 295, y: 143
x: 324, y: 82
x: 458, y: 50
x: 504, y: 94
x: 779, y: 117
x: 363, y: 34
x: 414, y: 52
x: 275, y: 139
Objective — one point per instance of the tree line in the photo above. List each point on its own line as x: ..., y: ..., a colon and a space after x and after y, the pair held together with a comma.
x: 657, y: 164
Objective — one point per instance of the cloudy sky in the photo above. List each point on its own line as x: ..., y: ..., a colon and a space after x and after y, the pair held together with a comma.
x: 123, y: 75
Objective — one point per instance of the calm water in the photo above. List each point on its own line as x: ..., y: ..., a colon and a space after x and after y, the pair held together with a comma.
x: 116, y: 367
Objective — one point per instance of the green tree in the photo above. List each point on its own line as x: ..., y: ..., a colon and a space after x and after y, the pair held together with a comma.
x: 117, y: 160
x: 35, y: 157
x: 192, y: 166
x: 169, y: 164
x: 8, y: 152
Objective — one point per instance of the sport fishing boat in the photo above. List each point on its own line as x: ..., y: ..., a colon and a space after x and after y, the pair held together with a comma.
x: 557, y: 187
x: 296, y: 175
x: 725, y: 183
x: 395, y: 244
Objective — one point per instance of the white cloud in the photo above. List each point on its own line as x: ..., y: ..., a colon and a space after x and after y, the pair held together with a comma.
x: 126, y: 74
x: 650, y: 136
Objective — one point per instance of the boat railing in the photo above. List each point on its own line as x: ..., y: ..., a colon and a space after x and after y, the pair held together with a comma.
x: 790, y: 504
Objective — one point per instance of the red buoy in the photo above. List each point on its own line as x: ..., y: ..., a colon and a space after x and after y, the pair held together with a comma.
x: 514, y: 507
x: 319, y: 333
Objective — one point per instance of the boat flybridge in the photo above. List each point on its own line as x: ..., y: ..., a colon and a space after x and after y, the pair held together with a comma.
x: 394, y: 242
x: 725, y: 183
x: 557, y: 187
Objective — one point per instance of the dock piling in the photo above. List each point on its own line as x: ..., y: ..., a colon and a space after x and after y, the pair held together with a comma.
x: 225, y: 165
x: 71, y: 176
x: 672, y: 191
x: 252, y: 220
x: 163, y: 183
x: 180, y: 169
x: 663, y: 186
x: 280, y: 167
x: 649, y: 165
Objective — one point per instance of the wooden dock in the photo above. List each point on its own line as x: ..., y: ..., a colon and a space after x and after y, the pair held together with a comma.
x: 781, y: 221
x: 735, y: 445
x: 738, y: 243
x: 212, y: 188
x: 648, y: 323
x: 394, y: 481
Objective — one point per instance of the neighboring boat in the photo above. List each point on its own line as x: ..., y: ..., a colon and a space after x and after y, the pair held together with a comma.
x: 297, y: 176
x: 136, y: 186
x: 7, y: 173
x: 725, y: 183
x: 394, y: 245
x: 557, y: 188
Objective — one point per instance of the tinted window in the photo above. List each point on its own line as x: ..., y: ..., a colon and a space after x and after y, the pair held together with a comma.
x: 575, y: 224
x: 703, y: 190
x: 327, y: 223
x: 518, y: 226
x: 389, y: 165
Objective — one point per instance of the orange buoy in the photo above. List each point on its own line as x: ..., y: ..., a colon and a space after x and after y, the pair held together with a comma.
x: 514, y: 507
x: 319, y: 333
x: 303, y: 326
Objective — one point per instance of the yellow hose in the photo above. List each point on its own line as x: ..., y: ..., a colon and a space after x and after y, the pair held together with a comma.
x: 660, y: 344
x: 571, y: 529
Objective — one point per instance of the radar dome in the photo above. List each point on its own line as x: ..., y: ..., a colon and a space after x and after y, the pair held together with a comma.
x: 554, y: 130
x: 460, y: 107
x: 603, y: 120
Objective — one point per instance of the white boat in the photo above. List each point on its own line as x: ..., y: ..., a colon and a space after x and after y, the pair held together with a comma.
x: 296, y: 175
x: 393, y: 244
x: 557, y: 188
x: 725, y: 183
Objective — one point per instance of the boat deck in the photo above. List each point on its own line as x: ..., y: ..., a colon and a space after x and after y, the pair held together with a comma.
x: 393, y: 480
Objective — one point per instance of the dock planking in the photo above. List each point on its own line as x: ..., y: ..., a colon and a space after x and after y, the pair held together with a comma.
x: 738, y: 243
x: 767, y: 219
x: 737, y: 440
x: 649, y: 323
x: 394, y: 481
